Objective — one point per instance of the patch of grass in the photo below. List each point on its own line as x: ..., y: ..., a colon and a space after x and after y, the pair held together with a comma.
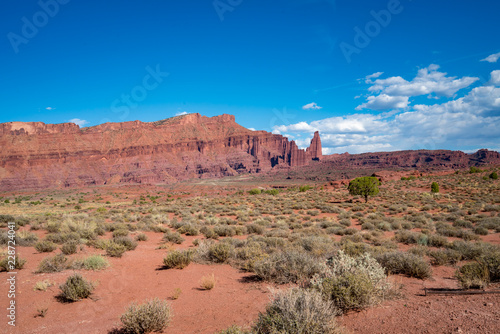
x: 176, y: 294
x: 42, y: 285
x: 93, y: 262
x: 76, y: 288
x: 152, y: 316
x: 45, y: 246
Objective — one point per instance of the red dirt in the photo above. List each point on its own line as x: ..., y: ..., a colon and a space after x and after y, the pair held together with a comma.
x: 135, y: 277
x: 417, y: 313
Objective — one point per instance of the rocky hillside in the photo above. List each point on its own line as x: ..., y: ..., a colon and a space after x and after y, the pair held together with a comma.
x: 37, y: 155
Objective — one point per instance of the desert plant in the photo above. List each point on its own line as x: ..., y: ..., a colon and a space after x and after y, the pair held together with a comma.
x: 42, y: 285
x: 93, y: 262
x: 473, y: 275
x: 176, y: 294
x: 208, y: 282
x: 69, y: 247
x: 298, y: 311
x: 76, y: 288
x: 220, y: 252
x: 175, y: 238
x: 178, y: 259
x: 53, y: 264
x: 45, y: 246
x: 141, y: 237
x: 126, y: 242
x: 352, y: 282
x: 152, y: 316
x: 405, y: 263
x: 6, y: 263
x: 364, y: 186
x: 493, y: 176
x: 434, y: 187
x: 287, y: 266
x: 115, y: 250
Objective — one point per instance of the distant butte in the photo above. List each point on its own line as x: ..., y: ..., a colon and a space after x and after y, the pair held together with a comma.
x: 35, y: 155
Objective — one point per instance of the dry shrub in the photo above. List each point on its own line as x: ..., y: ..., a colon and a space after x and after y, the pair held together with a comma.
x: 208, y: 282
x: 298, y: 311
x: 152, y: 316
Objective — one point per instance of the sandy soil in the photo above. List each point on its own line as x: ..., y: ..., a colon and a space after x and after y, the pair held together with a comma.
x: 135, y: 277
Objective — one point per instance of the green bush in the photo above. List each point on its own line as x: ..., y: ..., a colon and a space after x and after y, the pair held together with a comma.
x: 434, y: 187
x: 152, y: 316
x: 254, y: 191
x: 76, y: 288
x: 364, y: 186
x: 405, y: 263
x: 493, y: 176
x: 45, y: 246
x: 291, y: 266
x: 298, y: 311
x: 305, y: 188
x: 53, y: 264
x: 178, y: 259
x: 473, y: 275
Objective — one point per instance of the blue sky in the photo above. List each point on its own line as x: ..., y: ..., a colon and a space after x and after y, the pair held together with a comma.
x: 369, y: 75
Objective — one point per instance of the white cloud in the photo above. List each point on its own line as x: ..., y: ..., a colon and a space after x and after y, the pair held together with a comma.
x: 368, y: 78
x: 492, y: 58
x: 79, y: 122
x: 471, y: 121
x: 252, y: 129
x: 50, y: 108
x: 428, y: 81
x: 312, y: 106
x: 180, y: 113
x: 495, y: 78
x: 384, y: 102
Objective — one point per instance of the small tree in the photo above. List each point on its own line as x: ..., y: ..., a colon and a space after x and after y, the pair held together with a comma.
x: 364, y: 186
x: 435, y: 187
x: 494, y: 176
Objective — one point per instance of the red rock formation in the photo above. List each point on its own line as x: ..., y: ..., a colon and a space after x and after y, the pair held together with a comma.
x: 38, y: 155
x: 314, y: 148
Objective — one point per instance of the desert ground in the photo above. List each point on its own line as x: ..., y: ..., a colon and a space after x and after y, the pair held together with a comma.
x: 218, y: 251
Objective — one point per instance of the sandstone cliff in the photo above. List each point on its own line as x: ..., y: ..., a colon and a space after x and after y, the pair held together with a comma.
x: 37, y: 155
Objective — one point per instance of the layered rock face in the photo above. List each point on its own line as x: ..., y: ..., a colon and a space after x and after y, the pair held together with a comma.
x: 419, y: 159
x: 37, y: 155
